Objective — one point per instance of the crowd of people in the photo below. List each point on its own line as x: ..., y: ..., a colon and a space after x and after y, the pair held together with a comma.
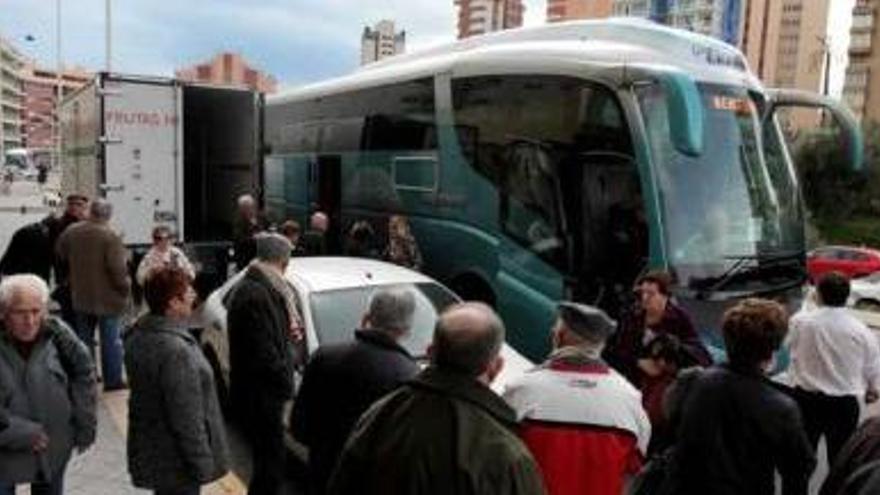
x: 631, y: 407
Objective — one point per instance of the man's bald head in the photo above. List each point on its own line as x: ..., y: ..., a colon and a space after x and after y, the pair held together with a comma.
x: 467, y: 339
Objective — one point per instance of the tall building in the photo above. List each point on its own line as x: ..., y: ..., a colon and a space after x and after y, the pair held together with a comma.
x: 477, y: 17
x: 11, y: 97
x: 40, y: 103
x: 565, y: 10
x: 861, y: 90
x: 721, y: 19
x: 229, y: 69
x: 761, y: 36
x: 381, y: 42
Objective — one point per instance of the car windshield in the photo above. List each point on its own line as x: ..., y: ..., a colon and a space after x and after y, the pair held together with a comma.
x: 737, y: 201
x: 337, y: 313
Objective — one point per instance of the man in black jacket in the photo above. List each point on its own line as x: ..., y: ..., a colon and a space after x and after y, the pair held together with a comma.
x: 734, y: 428
x: 342, y: 380
x: 261, y: 320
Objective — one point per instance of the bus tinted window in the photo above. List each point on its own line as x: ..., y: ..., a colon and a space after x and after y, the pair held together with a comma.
x: 393, y: 117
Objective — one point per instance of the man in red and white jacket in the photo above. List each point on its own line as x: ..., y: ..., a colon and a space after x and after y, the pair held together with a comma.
x: 583, y: 422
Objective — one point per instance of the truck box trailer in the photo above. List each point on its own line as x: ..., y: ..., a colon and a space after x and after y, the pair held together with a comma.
x: 165, y: 152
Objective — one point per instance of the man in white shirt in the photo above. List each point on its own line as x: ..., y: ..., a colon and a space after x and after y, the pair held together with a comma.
x: 835, y: 360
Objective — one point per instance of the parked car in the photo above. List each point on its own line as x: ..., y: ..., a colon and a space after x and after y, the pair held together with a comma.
x: 864, y: 293
x: 854, y: 262
x: 333, y: 295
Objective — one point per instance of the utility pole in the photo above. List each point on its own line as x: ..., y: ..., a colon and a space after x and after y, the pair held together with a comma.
x: 107, y: 35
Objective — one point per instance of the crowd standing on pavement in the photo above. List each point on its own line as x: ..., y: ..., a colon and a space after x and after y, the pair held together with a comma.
x: 637, y: 407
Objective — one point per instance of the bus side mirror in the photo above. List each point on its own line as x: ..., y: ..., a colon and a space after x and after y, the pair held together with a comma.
x: 855, y: 144
x: 685, y: 111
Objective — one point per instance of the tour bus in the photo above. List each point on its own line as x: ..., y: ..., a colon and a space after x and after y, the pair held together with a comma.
x: 560, y: 162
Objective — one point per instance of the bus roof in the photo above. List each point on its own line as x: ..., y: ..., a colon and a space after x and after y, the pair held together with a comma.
x: 550, y: 48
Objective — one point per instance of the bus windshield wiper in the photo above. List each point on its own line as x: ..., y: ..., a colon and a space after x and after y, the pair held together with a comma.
x: 740, y: 268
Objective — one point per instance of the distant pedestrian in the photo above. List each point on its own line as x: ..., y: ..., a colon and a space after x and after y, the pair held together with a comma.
x: 315, y: 239
x: 292, y: 231
x: 99, y: 285
x: 856, y: 471
x: 657, y: 315
x: 248, y: 223
x: 176, y: 433
x: 402, y: 248
x: 361, y: 241
x: 47, y: 390
x: 583, y: 422
x: 445, y: 432
x: 163, y: 254
x: 262, y: 322
x: 341, y: 381
x: 76, y: 209
x: 734, y: 428
x: 835, y: 361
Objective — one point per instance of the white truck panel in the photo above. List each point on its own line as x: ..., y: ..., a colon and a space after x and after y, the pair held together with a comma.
x: 143, y: 176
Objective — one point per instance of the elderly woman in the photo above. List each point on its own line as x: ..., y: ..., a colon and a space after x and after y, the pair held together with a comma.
x: 47, y: 390
x: 163, y: 254
x: 402, y: 247
x: 176, y: 436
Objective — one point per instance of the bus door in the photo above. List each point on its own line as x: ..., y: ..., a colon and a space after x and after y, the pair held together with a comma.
x: 327, y: 196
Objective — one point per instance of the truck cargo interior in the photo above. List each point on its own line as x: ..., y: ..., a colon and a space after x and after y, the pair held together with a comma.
x: 220, y: 136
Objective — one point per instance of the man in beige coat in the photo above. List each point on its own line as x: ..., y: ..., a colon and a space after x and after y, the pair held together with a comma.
x: 99, y: 285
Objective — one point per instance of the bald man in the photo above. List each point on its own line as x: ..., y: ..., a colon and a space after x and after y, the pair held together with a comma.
x: 445, y: 431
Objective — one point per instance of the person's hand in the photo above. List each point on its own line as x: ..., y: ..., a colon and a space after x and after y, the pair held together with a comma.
x: 39, y: 442
x: 650, y: 367
x: 871, y: 396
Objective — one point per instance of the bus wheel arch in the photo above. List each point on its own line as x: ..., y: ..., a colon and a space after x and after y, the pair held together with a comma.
x: 472, y: 287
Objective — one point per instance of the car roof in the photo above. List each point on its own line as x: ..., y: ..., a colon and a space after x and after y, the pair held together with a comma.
x: 319, y: 274
x: 861, y: 249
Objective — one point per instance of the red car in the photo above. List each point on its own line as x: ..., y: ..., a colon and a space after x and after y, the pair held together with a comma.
x: 854, y: 262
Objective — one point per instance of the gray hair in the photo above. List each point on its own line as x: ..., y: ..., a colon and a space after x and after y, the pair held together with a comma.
x: 26, y: 282
x: 246, y: 199
x: 392, y: 309
x: 468, y: 336
x: 272, y: 247
x: 101, y: 210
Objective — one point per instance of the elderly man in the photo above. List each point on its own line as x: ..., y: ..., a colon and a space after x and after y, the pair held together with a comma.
x: 315, y: 241
x: 47, y: 390
x: 583, y: 422
x: 248, y: 224
x: 343, y: 380
x: 262, y: 320
x: 445, y: 431
x: 99, y: 284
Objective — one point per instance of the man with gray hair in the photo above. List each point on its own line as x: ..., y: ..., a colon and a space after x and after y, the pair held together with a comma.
x: 263, y: 321
x: 248, y: 223
x: 583, y: 422
x: 99, y: 285
x: 445, y: 431
x: 341, y: 381
x: 47, y: 390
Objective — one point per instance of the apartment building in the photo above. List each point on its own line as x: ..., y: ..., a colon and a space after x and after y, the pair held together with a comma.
x: 11, y: 96
x: 381, y: 41
x: 566, y: 10
x: 230, y: 69
x: 476, y: 17
x: 861, y: 90
x: 40, y: 87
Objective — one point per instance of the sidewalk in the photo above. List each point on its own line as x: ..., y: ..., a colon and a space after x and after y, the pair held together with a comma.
x: 103, y: 469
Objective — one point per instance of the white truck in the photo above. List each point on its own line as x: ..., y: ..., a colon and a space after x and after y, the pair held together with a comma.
x: 165, y: 152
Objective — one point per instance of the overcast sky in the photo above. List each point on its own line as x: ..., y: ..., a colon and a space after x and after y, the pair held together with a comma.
x: 297, y: 41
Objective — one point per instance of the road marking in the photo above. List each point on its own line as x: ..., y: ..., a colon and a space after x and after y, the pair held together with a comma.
x: 116, y: 403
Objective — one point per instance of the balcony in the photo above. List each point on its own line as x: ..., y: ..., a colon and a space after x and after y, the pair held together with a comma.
x: 860, y: 43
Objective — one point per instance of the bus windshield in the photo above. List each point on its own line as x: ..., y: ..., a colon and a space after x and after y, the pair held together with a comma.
x: 736, y: 205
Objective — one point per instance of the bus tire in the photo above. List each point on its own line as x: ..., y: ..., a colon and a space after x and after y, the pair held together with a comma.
x: 472, y: 287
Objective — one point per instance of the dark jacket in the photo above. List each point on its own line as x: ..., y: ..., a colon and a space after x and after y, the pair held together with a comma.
x: 244, y: 246
x: 440, y: 434
x: 30, y: 251
x: 340, y: 382
x: 98, y: 260
x: 314, y: 243
x: 260, y: 358
x: 862, y: 448
x: 176, y: 433
x: 57, y: 226
x: 733, y: 430
x: 627, y: 346
x: 53, y: 392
